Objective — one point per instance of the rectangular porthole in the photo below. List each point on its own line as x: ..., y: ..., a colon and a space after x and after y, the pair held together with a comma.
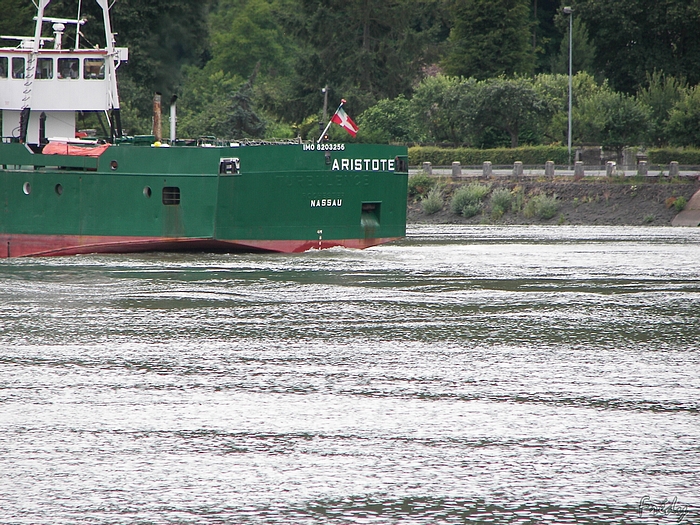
x: 171, y: 195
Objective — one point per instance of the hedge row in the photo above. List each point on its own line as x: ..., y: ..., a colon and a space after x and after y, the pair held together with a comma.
x: 684, y: 157
x: 529, y: 155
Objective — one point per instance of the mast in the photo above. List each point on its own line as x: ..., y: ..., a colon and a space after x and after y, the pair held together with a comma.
x: 59, y: 81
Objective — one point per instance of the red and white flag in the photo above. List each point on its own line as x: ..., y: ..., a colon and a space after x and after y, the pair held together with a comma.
x: 341, y: 118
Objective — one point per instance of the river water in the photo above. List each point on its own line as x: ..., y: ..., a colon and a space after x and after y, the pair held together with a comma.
x: 465, y: 374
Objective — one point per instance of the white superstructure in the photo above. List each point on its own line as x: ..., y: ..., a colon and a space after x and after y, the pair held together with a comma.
x: 37, y: 77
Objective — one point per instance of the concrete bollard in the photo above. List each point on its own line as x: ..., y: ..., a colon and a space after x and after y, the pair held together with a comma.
x: 673, y: 169
x: 487, y: 169
x: 456, y: 169
x: 610, y: 168
x: 642, y: 168
x: 518, y: 169
x: 578, y: 169
x: 549, y: 168
x: 428, y: 168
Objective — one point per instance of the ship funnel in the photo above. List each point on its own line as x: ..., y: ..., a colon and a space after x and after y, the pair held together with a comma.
x: 173, y: 118
x: 157, y: 129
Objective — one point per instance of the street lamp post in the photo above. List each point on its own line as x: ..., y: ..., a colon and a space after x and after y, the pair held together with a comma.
x: 569, y: 11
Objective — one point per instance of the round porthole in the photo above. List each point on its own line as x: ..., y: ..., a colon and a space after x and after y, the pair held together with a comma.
x: 27, y: 188
x: 113, y: 164
x: 147, y: 192
x: 59, y: 189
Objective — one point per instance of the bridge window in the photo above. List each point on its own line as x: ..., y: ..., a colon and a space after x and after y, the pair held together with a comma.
x: 401, y: 164
x: 94, y: 68
x: 44, y: 68
x: 3, y: 67
x: 68, y: 68
x: 17, y: 67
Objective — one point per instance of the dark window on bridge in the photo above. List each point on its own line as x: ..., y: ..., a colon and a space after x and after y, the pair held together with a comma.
x: 44, y: 69
x: 68, y: 68
x: 94, y: 68
x: 401, y: 165
x: 3, y: 67
x: 17, y: 67
x: 171, y: 195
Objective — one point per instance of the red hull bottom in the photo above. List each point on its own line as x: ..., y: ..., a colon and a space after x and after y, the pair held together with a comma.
x: 52, y: 245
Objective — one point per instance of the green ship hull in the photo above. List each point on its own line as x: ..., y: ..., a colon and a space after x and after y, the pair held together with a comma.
x: 268, y: 197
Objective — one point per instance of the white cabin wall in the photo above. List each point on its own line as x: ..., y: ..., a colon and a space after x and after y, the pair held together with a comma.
x: 58, y: 124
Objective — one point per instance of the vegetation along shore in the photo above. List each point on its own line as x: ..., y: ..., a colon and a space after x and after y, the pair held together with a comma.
x: 616, y: 200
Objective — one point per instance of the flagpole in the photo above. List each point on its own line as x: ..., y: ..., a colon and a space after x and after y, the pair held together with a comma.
x: 342, y: 101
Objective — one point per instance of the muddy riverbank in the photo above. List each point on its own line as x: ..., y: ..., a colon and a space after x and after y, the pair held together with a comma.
x: 585, y: 202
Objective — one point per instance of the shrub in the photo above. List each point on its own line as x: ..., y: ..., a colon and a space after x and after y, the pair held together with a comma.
x: 468, y: 195
x: 680, y: 203
x: 516, y: 204
x: 433, y: 202
x: 501, y: 198
x: 469, y: 210
x: 541, y: 206
x: 419, y: 184
x: 497, y: 212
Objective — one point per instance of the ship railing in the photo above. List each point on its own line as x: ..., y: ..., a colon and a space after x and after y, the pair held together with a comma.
x: 203, y: 142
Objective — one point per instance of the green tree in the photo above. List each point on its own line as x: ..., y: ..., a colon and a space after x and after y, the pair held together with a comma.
x: 583, y: 51
x: 364, y: 50
x: 489, y: 38
x: 245, y: 33
x: 661, y: 94
x: 386, y: 121
x: 683, y: 128
x: 461, y: 103
x: 611, y: 119
x: 545, y: 33
x: 431, y: 117
x: 511, y: 105
x: 555, y: 88
x: 16, y: 19
x: 218, y: 104
x: 162, y: 37
x: 633, y: 37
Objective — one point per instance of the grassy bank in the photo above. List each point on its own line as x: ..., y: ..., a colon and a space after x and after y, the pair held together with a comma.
x: 603, y: 201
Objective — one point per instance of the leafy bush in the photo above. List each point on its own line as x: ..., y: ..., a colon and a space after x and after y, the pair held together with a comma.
x: 419, y: 184
x: 541, y: 206
x: 680, y: 203
x: 469, y: 210
x: 497, y: 212
x: 433, y: 202
x: 501, y: 198
x: 468, y: 196
x: 516, y: 204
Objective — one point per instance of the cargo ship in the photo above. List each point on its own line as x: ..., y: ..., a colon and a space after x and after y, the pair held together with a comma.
x: 63, y: 194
